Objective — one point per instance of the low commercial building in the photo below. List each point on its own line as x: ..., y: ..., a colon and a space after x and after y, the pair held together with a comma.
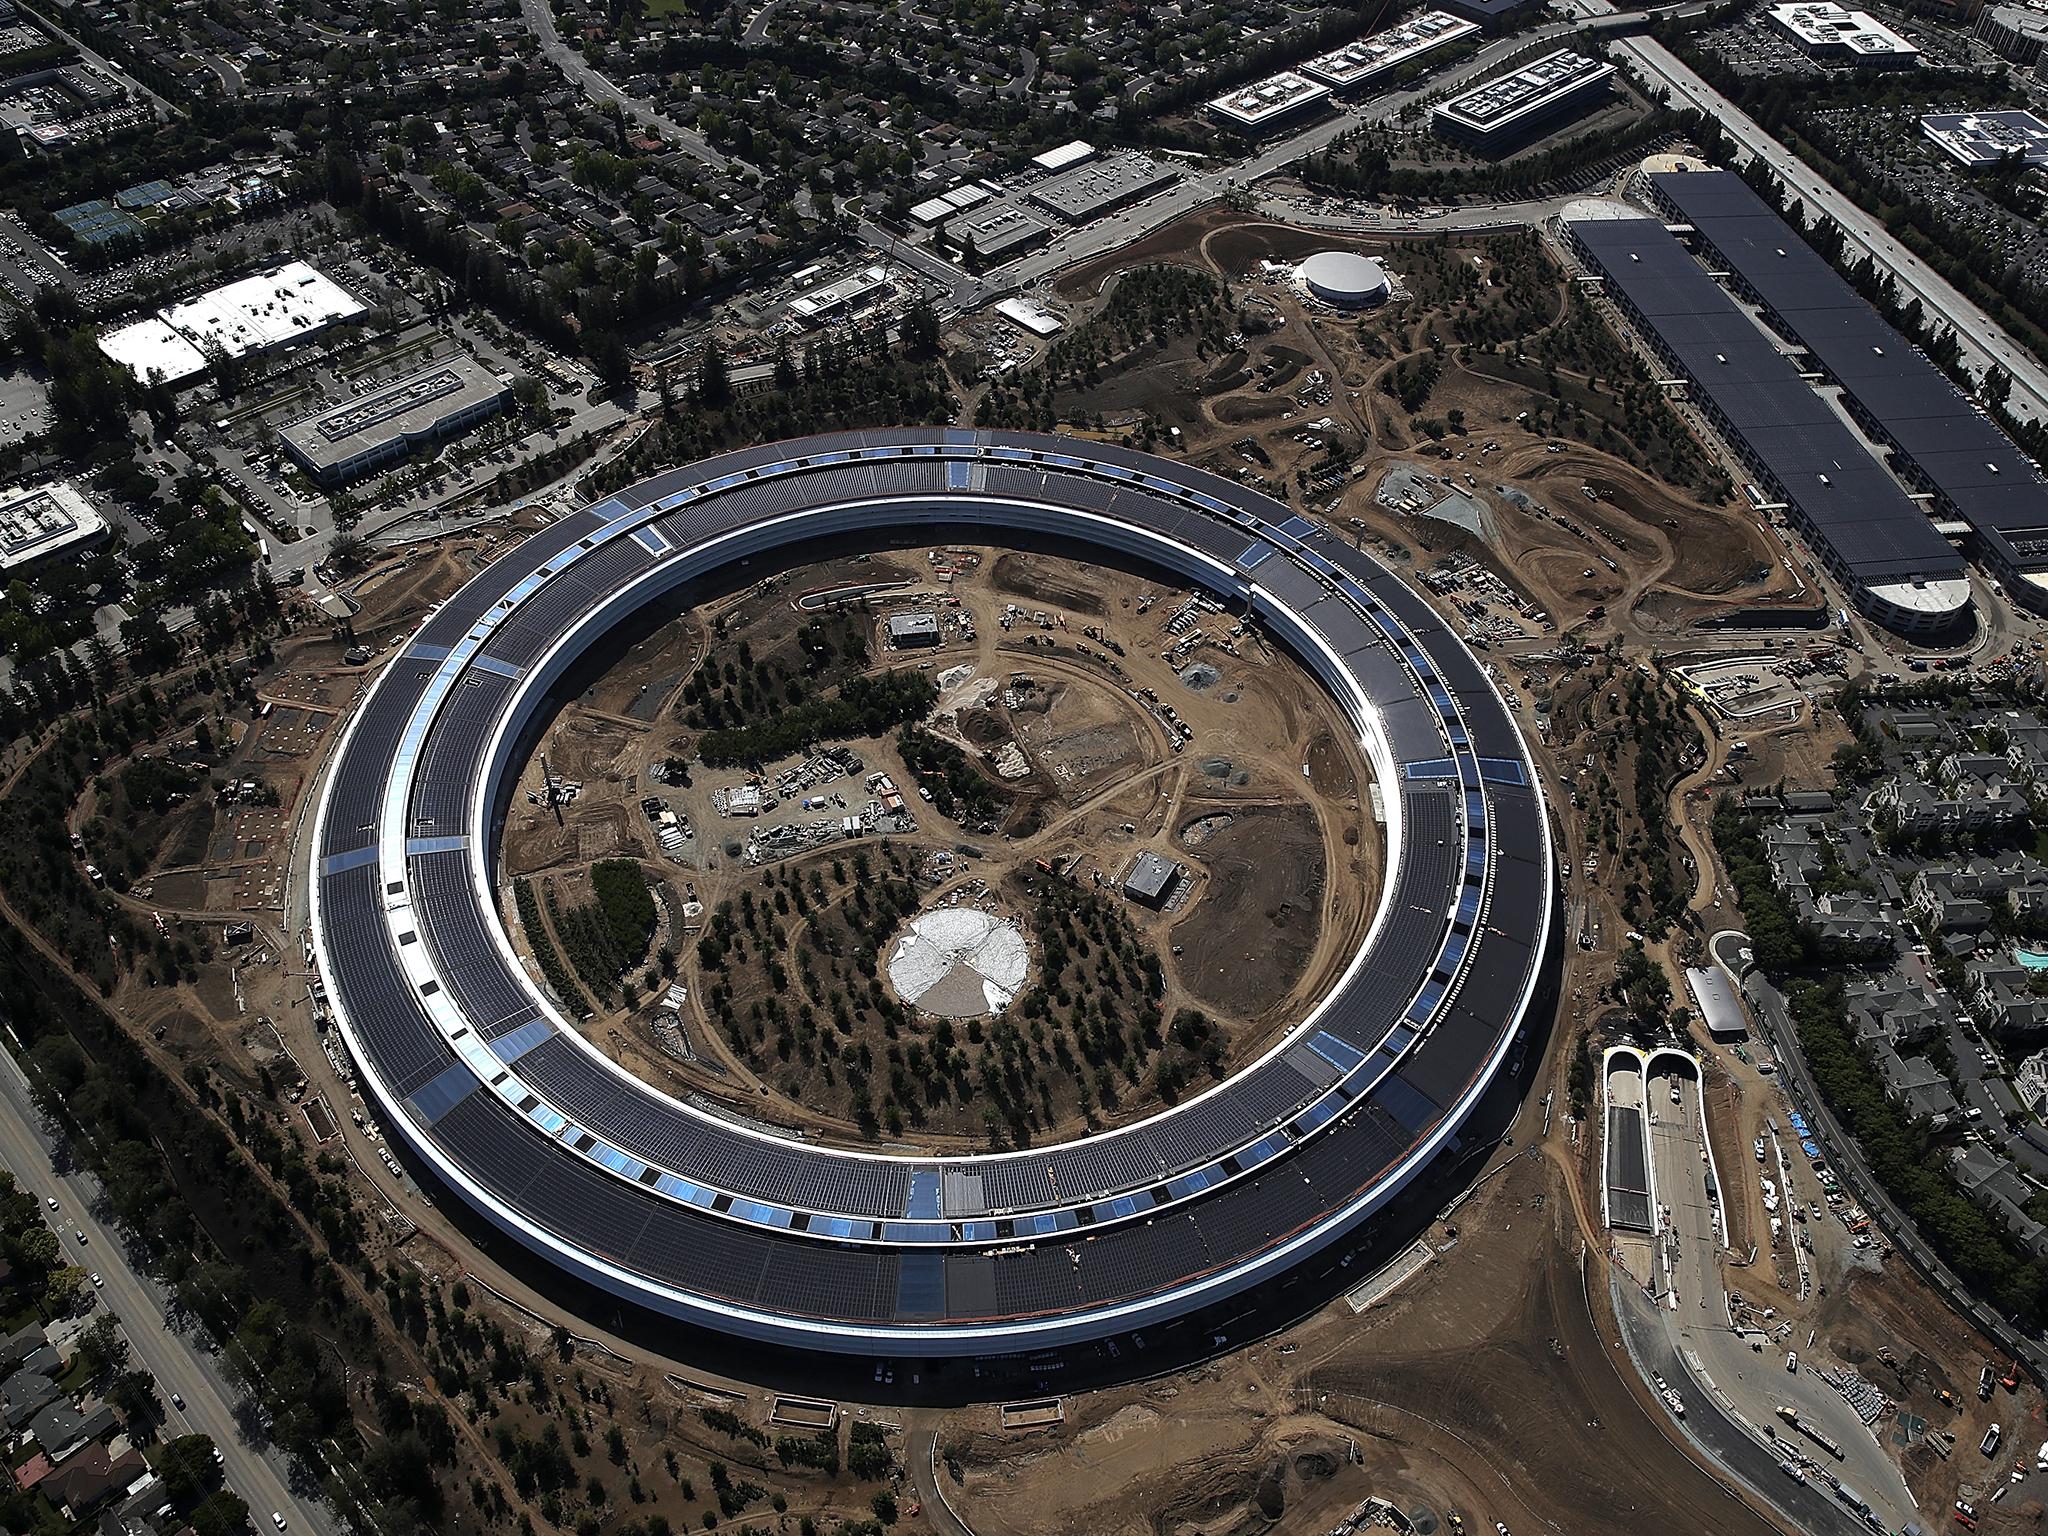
x: 1827, y: 31
x: 1151, y: 879
x: 1278, y: 101
x: 846, y: 295
x: 1030, y: 316
x: 253, y: 314
x: 37, y: 522
x: 997, y: 232
x: 1359, y: 64
x: 1102, y: 186
x: 1980, y: 140
x: 442, y: 400
x: 906, y: 630
x: 1510, y: 109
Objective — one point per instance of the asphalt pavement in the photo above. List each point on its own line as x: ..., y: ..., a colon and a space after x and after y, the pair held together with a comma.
x: 1707, y: 1426
x: 178, y: 1363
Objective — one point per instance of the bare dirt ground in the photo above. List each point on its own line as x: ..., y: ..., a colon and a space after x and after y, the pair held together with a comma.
x: 1057, y: 671
x: 1483, y: 1387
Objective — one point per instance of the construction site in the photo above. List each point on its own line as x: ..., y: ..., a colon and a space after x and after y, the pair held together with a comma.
x: 1163, y: 790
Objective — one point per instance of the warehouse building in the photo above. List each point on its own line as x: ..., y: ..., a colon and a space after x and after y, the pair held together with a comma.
x: 1827, y: 31
x: 1358, y: 64
x: 1980, y: 140
x: 1102, y: 186
x: 1802, y: 457
x: 1513, y: 108
x: 255, y: 314
x: 1278, y: 101
x: 443, y: 400
x: 1064, y: 157
x: 1940, y: 443
x: 1151, y: 879
x: 39, y: 521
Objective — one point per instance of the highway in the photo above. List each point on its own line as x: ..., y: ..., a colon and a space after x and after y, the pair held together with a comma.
x: 176, y: 1361
x: 1983, y: 343
x: 1729, y: 949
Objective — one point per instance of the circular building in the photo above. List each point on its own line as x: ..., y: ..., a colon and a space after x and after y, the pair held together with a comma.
x: 727, y: 1224
x: 1345, y: 279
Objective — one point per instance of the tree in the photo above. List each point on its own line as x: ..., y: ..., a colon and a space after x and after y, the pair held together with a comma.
x: 102, y: 1348
x: 714, y: 382
x: 135, y: 1395
x: 221, y: 1513
x: 188, y: 1468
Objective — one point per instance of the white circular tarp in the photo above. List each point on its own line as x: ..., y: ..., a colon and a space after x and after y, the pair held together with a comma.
x: 959, y: 962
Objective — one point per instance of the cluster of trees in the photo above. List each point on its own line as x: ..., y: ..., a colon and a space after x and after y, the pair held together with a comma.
x: 862, y: 705
x: 717, y: 696
x: 208, y: 1226
x: 1086, y: 1033
x: 858, y: 379
x: 561, y: 981
x: 1777, y: 938
x: 957, y: 787
x: 1368, y: 170
x: 1412, y: 380
x: 606, y: 937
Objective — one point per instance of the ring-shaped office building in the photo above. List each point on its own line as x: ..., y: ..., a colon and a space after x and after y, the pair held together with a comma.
x: 765, y: 1237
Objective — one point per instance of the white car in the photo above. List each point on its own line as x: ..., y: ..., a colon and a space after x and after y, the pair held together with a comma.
x: 96, y: 1280
x: 53, y: 1202
x: 1792, y: 1361
x: 277, y: 1519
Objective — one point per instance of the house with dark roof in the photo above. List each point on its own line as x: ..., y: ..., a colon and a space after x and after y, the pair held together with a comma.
x: 24, y: 1395
x: 1917, y: 1086
x: 92, y: 1478
x: 1995, y: 1186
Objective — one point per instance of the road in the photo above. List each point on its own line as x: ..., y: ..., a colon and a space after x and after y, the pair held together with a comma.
x: 921, y: 1456
x: 1690, y: 1247
x: 1983, y: 343
x: 1709, y: 1427
x: 176, y: 1362
x: 539, y: 17
x: 1729, y: 949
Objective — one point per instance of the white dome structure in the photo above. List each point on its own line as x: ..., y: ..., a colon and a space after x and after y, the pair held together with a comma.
x: 1345, y: 279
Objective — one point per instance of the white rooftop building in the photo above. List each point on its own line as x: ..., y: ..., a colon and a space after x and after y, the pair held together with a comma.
x: 252, y: 314
x: 42, y: 520
x: 1266, y: 103
x: 1068, y: 155
x: 1828, y: 31
x: 1367, y: 59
